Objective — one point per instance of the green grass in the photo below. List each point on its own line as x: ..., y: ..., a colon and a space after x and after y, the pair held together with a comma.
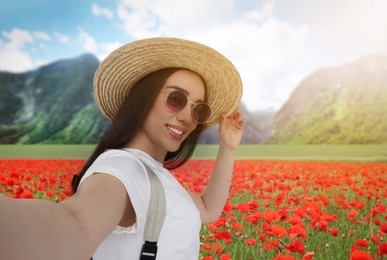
x: 303, y: 152
x: 260, y: 152
x: 46, y: 151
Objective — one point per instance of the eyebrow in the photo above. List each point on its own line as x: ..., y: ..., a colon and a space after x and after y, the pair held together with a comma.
x: 185, y: 92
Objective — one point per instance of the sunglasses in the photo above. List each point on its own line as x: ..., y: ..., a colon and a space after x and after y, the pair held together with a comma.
x: 177, y: 100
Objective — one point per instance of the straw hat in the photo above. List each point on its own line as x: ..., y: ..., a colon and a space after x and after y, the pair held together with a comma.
x: 119, y: 72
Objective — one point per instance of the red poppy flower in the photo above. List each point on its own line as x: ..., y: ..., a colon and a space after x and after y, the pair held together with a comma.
x: 308, y: 256
x: 50, y: 193
x: 254, y: 205
x: 352, y: 216
x: 322, y: 225
x: 334, y: 232
x: 217, y: 248
x: 283, y: 257
x: 251, y: 241
x: 328, y: 217
x: 358, y: 243
x: 278, y: 231
x: 244, y: 208
x: 377, y: 222
x: 375, y: 238
x: 271, y: 215
x: 383, y: 248
x: 223, y: 235
x: 357, y: 204
x: 297, y: 231
x: 360, y: 255
x: 296, y: 246
x: 237, y: 226
x: 225, y: 257
x: 227, y: 208
x: 383, y: 228
x: 26, y: 195
x: 273, y: 244
x: 206, y: 246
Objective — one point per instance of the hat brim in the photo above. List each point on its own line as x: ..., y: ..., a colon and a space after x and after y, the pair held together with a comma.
x: 125, y: 66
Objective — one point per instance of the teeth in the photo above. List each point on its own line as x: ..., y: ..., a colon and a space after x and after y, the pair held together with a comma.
x: 176, y: 131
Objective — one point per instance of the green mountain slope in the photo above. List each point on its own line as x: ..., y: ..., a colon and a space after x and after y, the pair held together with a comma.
x: 342, y: 105
x: 42, y: 105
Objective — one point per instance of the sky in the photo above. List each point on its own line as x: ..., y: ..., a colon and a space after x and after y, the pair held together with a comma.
x: 274, y: 44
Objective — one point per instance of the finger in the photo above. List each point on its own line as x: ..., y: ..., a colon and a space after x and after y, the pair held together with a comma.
x: 237, y: 115
x: 238, y: 124
x: 234, y: 115
x: 242, y: 123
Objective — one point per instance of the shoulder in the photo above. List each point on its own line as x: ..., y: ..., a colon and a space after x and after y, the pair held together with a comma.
x: 116, y: 160
x: 125, y: 167
x: 119, y: 163
x: 118, y: 155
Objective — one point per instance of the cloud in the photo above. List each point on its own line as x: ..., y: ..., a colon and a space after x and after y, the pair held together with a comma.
x: 99, y: 11
x: 356, y: 27
x: 107, y: 48
x: 18, y: 46
x: 61, y: 37
x: 264, y: 54
x: 100, y: 49
x: 258, y: 15
x: 18, y: 38
x: 13, y: 57
x: 41, y: 36
x: 87, y: 41
x: 154, y: 17
x: 263, y: 48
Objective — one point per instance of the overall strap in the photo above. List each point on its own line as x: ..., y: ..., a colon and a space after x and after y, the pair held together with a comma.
x: 155, y: 216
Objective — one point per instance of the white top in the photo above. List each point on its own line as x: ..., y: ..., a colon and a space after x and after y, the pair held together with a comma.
x: 179, y: 237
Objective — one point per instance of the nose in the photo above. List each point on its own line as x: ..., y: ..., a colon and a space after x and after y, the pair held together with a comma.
x: 185, y: 115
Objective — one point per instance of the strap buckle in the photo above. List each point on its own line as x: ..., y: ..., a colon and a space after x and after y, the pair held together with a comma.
x: 148, y: 251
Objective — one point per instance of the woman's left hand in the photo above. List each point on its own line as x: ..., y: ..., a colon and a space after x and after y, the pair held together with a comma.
x: 230, y: 130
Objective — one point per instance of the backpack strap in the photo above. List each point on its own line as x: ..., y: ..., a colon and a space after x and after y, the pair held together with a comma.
x: 155, y: 216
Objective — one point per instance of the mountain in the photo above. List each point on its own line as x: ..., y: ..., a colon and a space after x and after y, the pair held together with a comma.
x: 340, y: 105
x: 258, y: 125
x: 53, y: 104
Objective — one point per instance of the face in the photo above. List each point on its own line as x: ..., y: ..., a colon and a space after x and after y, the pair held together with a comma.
x: 164, y: 129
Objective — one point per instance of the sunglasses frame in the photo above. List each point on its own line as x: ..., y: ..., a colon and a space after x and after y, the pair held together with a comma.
x: 193, y: 105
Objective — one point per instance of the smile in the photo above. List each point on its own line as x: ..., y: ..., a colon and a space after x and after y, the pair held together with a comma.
x: 174, y: 130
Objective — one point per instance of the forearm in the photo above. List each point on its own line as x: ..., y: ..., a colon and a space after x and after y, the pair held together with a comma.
x: 39, y: 229
x: 216, y: 193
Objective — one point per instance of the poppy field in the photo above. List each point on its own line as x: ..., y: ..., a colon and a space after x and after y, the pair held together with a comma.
x: 276, y: 209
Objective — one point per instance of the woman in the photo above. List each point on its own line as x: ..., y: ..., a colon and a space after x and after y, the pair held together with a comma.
x: 160, y: 94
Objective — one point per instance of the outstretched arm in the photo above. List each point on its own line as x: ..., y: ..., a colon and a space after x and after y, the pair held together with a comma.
x: 41, y: 229
x: 211, y: 202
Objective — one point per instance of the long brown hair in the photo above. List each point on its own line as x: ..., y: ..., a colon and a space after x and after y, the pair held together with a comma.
x: 131, y: 117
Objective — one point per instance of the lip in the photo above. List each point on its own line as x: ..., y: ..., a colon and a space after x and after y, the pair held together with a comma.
x: 175, y: 135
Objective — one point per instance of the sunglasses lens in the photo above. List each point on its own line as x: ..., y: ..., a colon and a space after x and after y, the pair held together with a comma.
x: 176, y: 101
x: 201, y: 112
